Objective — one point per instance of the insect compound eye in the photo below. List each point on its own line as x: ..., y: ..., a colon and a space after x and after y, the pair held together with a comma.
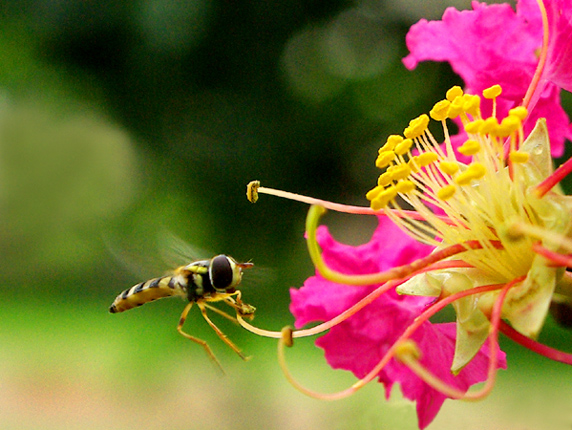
x: 221, y: 272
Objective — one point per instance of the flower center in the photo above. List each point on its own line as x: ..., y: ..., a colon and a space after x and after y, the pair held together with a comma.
x: 481, y: 198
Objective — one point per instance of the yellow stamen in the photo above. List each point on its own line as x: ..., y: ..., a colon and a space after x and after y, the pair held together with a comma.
x: 509, y: 125
x: 404, y: 187
x: 384, y: 179
x: 440, y: 110
x: 519, y: 156
x: 492, y: 92
x: 401, y: 171
x: 473, y: 127
x: 373, y: 193
x: 520, y: 112
x: 489, y: 126
x: 446, y: 192
x: 426, y: 158
x: 390, y: 143
x: 416, y: 127
x: 403, y: 147
x: 449, y: 167
x: 470, y: 147
x: 474, y: 171
x: 472, y: 105
x: 456, y: 107
x: 454, y: 92
x: 407, y: 348
x: 384, y: 159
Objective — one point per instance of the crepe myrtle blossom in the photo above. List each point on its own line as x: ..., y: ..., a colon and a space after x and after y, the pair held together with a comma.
x: 493, y: 44
x: 483, y: 227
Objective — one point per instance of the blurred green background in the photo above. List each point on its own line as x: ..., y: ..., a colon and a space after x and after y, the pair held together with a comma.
x: 124, y: 124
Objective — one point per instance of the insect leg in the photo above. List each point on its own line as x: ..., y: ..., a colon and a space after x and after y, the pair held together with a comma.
x: 219, y: 333
x: 245, y: 310
x: 221, y: 313
x: 196, y: 339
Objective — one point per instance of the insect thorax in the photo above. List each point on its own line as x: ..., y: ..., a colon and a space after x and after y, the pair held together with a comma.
x: 198, y: 284
x: 208, y: 277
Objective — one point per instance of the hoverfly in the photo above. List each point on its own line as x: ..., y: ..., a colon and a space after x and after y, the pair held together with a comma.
x: 200, y: 282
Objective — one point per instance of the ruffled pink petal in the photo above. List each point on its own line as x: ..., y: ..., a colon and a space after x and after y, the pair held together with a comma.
x: 360, y: 342
x: 559, y: 60
x: 493, y: 44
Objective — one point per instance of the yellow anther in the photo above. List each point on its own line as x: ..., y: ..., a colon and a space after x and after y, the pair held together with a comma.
x: 404, y: 187
x: 417, y: 127
x: 401, y: 171
x: 519, y: 156
x: 449, y: 167
x: 390, y: 143
x: 492, y: 92
x: 384, y: 179
x: 446, y: 192
x: 403, y: 147
x: 252, y: 191
x: 474, y: 126
x: 464, y: 178
x: 456, y: 107
x: 413, y: 164
x: 407, y: 348
x: 383, y: 198
x: 477, y: 170
x: 520, y: 112
x: 384, y: 159
x: 470, y: 147
x: 472, y: 104
x: 474, y: 171
x: 372, y: 194
x: 440, y: 110
x: 454, y: 92
x: 509, y: 125
x: 426, y: 158
x: 489, y: 126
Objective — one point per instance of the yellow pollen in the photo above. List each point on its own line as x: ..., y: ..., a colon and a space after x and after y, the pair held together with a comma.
x: 489, y: 126
x: 384, y: 159
x: 403, y: 147
x: 383, y: 198
x: 384, y: 179
x: 426, y: 158
x: 474, y: 171
x: 413, y: 164
x: 440, y: 110
x: 456, y: 107
x: 446, y: 192
x: 404, y: 187
x: 474, y: 126
x: 472, y: 104
x: 448, y: 167
x: 492, y: 92
x: 416, y: 127
x: 519, y: 156
x: 407, y: 348
x: 520, y: 112
x: 470, y: 147
x: 453, y: 93
x: 401, y: 171
x: 509, y: 125
x: 372, y: 194
x: 390, y: 143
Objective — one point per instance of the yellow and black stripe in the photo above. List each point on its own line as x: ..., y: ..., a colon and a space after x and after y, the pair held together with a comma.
x: 144, y: 292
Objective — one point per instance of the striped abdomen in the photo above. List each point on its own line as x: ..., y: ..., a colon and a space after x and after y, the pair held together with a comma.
x: 145, y: 292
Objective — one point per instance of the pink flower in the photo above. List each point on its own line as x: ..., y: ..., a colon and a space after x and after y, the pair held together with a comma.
x: 492, y: 44
x: 360, y: 342
x: 559, y: 63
